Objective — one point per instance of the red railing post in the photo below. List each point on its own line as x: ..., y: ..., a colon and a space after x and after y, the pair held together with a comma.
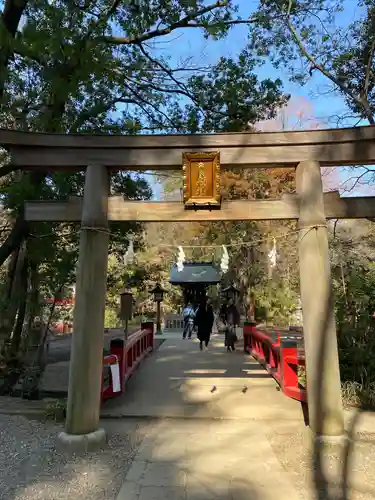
x: 124, y: 359
x: 248, y: 328
x: 289, y: 370
x: 279, y: 355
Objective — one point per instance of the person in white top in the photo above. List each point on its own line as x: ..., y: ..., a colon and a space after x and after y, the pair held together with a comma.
x: 189, y: 317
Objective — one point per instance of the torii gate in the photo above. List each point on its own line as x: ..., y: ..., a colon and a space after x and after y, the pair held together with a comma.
x: 98, y: 155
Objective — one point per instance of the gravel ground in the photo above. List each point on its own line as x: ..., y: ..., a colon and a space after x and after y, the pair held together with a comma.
x: 31, y: 468
x: 292, y: 447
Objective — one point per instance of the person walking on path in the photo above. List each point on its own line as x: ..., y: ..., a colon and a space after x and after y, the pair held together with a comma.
x: 189, y: 317
x: 204, y: 321
x: 195, y: 308
x: 231, y: 318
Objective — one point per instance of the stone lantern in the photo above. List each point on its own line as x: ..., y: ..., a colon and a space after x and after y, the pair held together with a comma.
x: 158, y: 293
x: 230, y: 293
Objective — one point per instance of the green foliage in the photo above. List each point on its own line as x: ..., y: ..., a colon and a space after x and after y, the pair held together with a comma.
x: 75, y: 65
x: 111, y: 319
x: 353, y: 273
x: 56, y: 410
x: 232, y: 96
x: 277, y: 301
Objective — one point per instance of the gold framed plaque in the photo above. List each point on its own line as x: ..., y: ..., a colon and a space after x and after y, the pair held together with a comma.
x: 201, y: 173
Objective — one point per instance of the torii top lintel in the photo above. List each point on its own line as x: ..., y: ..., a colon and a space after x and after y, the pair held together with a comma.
x: 331, y: 147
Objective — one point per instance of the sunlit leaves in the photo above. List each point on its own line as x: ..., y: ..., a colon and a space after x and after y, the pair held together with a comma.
x: 230, y: 97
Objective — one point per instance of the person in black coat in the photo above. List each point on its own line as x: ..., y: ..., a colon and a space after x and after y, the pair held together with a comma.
x: 223, y: 313
x: 204, y: 321
x: 232, y: 320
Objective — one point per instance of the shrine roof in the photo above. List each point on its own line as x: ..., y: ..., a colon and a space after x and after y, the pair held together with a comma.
x: 195, y: 272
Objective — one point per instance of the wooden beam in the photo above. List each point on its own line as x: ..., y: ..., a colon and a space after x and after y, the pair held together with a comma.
x: 156, y: 211
x: 48, y: 159
x: 164, y: 152
x: 182, y: 141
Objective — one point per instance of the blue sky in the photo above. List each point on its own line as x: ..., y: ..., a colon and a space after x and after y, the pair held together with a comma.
x: 190, y: 43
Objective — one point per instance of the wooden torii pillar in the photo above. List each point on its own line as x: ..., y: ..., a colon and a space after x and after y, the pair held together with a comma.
x: 326, y: 416
x: 85, y: 377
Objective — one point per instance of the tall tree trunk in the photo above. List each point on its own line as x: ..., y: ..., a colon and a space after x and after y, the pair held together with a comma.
x: 13, y: 294
x: 34, y: 306
x: 5, y: 327
x: 11, y: 273
x: 17, y: 292
x: 40, y: 356
x: 32, y: 373
x: 15, y: 238
x: 16, y: 302
x: 18, y: 328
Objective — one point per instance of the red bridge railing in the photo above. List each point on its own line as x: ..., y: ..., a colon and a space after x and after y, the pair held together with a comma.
x: 281, y: 353
x: 124, y: 358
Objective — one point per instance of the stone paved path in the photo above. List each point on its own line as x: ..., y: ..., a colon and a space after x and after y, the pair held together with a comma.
x: 179, y: 381
x: 209, y: 441
x: 192, y: 460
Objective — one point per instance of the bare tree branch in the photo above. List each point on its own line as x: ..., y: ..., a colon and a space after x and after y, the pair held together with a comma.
x: 182, y: 88
x: 142, y: 100
x: 357, y: 180
x: 184, y: 22
x: 93, y: 111
x: 361, y: 101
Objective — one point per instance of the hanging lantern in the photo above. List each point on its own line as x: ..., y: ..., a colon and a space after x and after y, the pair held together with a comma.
x: 180, y: 259
x: 126, y: 305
